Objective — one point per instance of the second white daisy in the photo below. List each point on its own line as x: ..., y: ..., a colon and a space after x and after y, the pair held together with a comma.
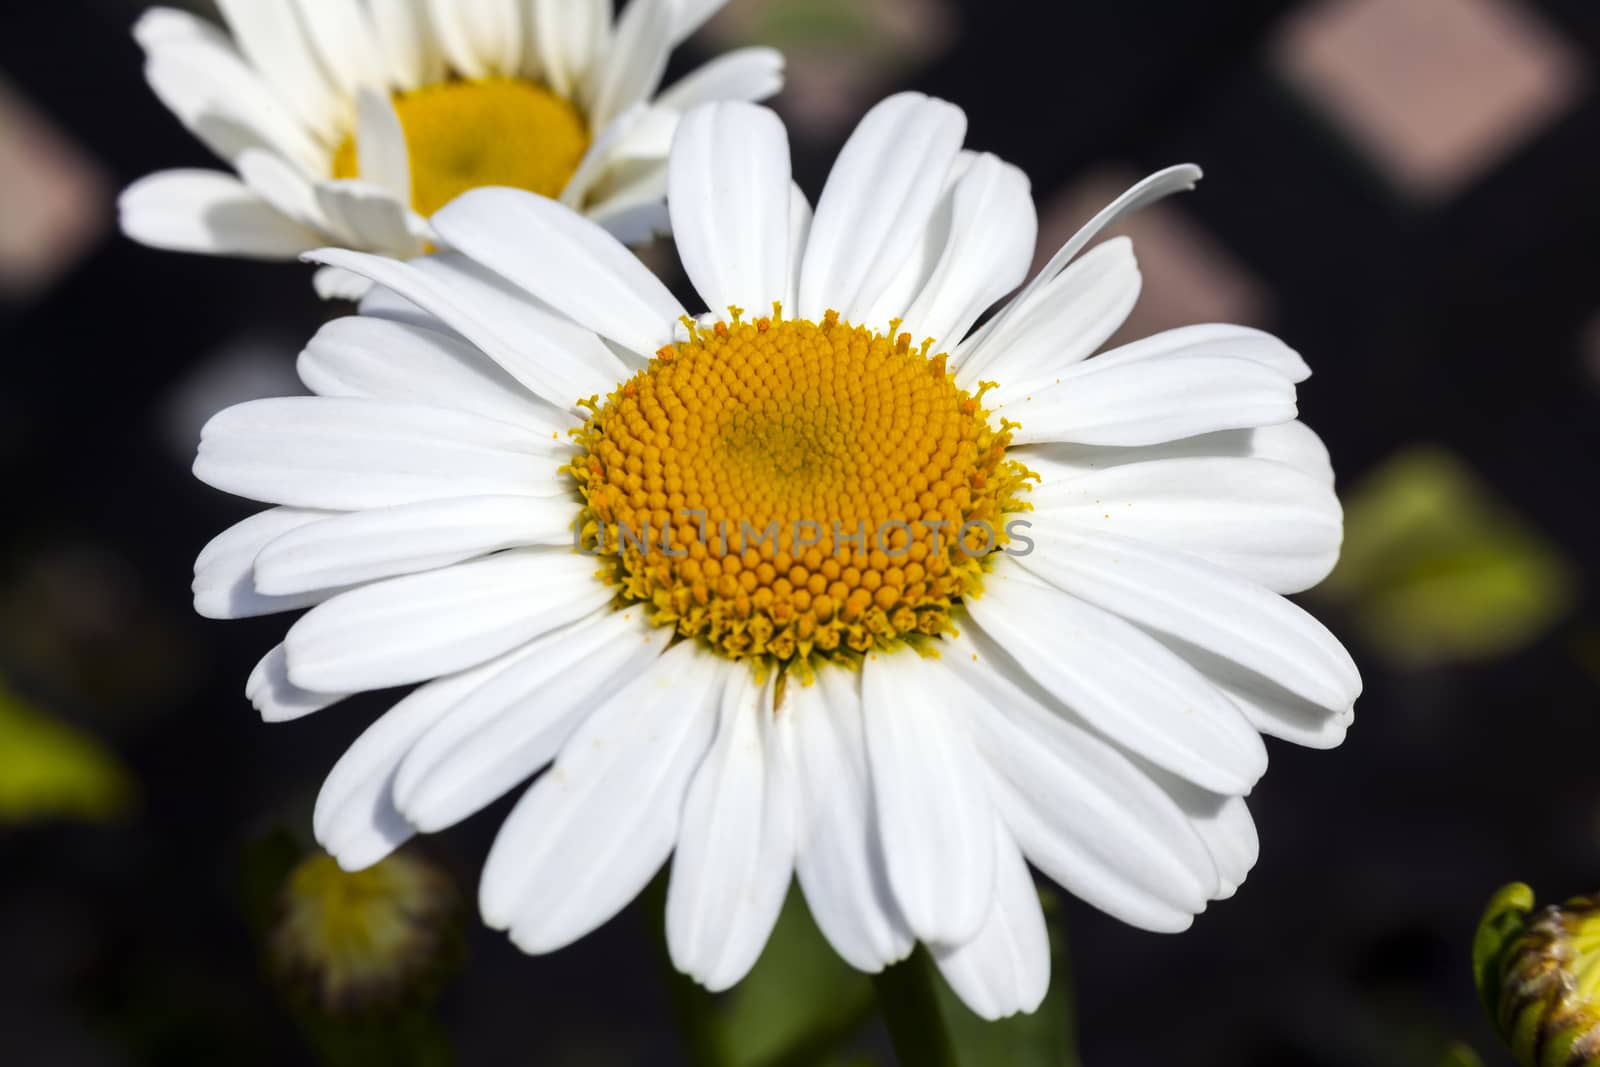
x: 350, y: 122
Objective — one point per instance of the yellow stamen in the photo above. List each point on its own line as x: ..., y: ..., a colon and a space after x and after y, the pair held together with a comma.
x: 827, y: 489
x: 466, y: 134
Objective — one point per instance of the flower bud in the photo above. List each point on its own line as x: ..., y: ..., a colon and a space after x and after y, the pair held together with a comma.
x: 1539, y: 974
x: 364, y: 942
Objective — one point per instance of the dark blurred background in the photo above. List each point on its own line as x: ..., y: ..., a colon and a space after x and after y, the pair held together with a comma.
x: 1405, y: 190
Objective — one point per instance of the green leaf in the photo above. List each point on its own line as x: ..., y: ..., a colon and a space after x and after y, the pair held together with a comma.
x: 49, y: 770
x: 1436, y: 568
x: 1503, y: 919
x: 1460, y: 1055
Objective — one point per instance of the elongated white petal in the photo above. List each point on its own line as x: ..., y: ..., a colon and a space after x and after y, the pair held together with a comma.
x: 799, y: 233
x: 368, y: 215
x: 1292, y: 444
x: 839, y: 860
x: 752, y: 74
x: 209, y: 212
x: 1005, y: 968
x: 426, y: 625
x: 728, y: 190
x: 458, y: 297
x: 507, y: 730
x: 631, y: 69
x: 992, y: 232
x: 566, y: 38
x: 285, y: 187
x: 273, y: 38
x: 880, y: 195
x: 626, y: 152
x: 1197, y: 605
x: 1213, y: 339
x: 224, y: 572
x: 480, y: 38
x: 1157, y: 186
x: 381, y: 145
x: 343, y: 37
x: 1082, y: 811
x: 410, y: 48
x: 364, y: 357
x: 341, y: 455
x: 736, y: 844
x: 1122, y: 681
x: 363, y: 546
x: 1277, y: 712
x: 1149, y: 401
x: 935, y: 820
x: 592, y: 831
x: 355, y: 817
x: 692, y: 14
x: 275, y: 697
x: 1223, y: 823
x: 1067, y: 322
x: 1265, y: 520
x: 565, y: 260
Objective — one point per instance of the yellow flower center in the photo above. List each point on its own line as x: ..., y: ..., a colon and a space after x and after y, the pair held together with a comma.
x: 466, y: 134
x: 783, y: 488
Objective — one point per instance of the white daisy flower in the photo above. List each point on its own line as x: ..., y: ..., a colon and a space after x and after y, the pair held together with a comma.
x: 350, y: 122
x: 902, y: 721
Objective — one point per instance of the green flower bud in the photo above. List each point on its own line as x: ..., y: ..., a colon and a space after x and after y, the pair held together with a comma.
x: 365, y: 942
x: 1539, y: 974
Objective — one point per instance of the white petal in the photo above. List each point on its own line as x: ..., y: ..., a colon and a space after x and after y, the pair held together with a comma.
x: 164, y: 25
x: 224, y: 572
x: 210, y: 212
x: 1122, y: 681
x: 623, y: 158
x: 1264, y: 520
x: 410, y: 47
x: 343, y: 37
x: 340, y: 454
x: 355, y: 817
x: 736, y: 842
x: 990, y: 245
x: 565, y: 260
x: 1157, y: 186
x: 368, y: 216
x: 880, y: 195
x: 378, y: 359
x: 1147, y: 402
x: 593, y: 830
x: 1082, y: 811
x: 1197, y: 606
x: 199, y: 75
x: 1214, y: 339
x: 1223, y: 823
x: 744, y: 74
x: 507, y: 730
x: 271, y: 36
x: 1277, y: 712
x: 277, y: 698
x: 1068, y: 321
x: 285, y: 187
x: 383, y: 157
x: 1290, y: 443
x: 728, y: 190
x: 458, y: 303
x: 935, y: 821
x: 839, y: 860
x: 692, y: 14
x: 1005, y: 969
x: 363, y: 546
x: 421, y: 626
x: 631, y: 69
x: 566, y: 38
x: 331, y: 283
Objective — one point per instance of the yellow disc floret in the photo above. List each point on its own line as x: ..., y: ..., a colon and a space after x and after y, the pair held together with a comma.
x: 781, y: 489
x: 466, y: 134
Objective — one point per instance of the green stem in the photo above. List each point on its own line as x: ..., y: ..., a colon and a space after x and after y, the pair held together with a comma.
x: 909, y: 1003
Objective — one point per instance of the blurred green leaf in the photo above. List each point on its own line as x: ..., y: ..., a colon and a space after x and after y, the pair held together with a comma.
x: 1436, y: 568
x: 49, y: 770
x: 1503, y: 919
x: 1459, y: 1055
